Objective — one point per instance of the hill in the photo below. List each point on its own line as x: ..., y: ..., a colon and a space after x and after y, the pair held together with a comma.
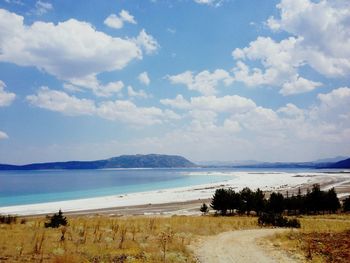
x: 342, y: 164
x: 123, y: 161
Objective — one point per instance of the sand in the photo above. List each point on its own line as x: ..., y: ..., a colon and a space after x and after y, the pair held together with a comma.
x: 186, y: 200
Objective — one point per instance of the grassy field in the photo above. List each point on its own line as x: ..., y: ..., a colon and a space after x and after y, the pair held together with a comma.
x: 320, y: 239
x: 108, y: 239
x: 160, y: 239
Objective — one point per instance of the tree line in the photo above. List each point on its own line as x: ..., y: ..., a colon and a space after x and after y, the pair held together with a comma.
x: 315, y: 201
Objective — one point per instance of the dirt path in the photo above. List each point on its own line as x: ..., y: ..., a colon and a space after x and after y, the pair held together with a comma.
x: 239, y: 246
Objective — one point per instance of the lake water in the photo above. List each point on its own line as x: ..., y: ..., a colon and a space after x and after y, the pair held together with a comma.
x: 29, y: 187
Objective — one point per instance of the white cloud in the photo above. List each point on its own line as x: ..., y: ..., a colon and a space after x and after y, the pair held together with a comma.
x: 42, y: 7
x: 171, y: 30
x: 204, y: 82
x: 230, y: 127
x: 114, y: 21
x: 117, y: 22
x: 134, y: 93
x: 334, y: 107
x: 323, y: 29
x: 229, y: 104
x: 144, y: 79
x: 206, y: 2
x: 319, y: 38
x: 16, y: 2
x: 71, y: 50
x: 61, y: 102
x: 127, y: 111
x: 299, y: 85
x: 277, y: 58
x: 3, y: 135
x: 91, y: 82
x: 217, y: 122
x: 147, y: 42
x: 127, y: 17
x: 118, y: 110
x: 178, y: 103
x: 291, y: 110
x: 110, y: 88
x: 215, y: 3
x: 6, y: 98
x: 71, y: 87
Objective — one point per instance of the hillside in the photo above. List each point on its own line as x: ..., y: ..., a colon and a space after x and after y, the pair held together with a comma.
x: 123, y: 161
x: 342, y: 164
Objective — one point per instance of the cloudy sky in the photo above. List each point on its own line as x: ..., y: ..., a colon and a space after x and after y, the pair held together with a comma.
x: 207, y: 79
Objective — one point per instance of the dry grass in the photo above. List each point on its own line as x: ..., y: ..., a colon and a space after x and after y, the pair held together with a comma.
x: 320, y: 239
x: 108, y: 239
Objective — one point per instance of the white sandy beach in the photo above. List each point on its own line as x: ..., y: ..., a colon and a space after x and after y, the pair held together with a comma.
x: 266, y: 181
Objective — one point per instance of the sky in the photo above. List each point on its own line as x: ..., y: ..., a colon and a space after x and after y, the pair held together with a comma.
x: 211, y: 80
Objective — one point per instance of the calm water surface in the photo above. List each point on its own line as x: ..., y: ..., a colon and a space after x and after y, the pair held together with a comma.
x: 28, y: 187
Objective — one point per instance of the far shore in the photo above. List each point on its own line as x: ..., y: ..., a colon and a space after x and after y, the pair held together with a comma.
x: 186, y: 200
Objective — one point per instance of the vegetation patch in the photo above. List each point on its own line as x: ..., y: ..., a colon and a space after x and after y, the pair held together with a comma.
x: 322, y: 238
x: 271, y: 219
x: 112, y: 239
x: 316, y: 201
x: 8, y: 219
x: 56, y: 220
x: 333, y: 247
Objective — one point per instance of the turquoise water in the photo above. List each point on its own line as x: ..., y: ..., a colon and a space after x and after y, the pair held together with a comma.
x: 28, y: 187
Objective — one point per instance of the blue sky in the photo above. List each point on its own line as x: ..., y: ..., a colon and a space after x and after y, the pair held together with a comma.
x: 210, y: 80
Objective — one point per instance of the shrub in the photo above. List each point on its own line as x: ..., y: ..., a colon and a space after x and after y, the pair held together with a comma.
x: 204, y: 209
x: 346, y: 204
x: 8, y: 219
x: 270, y: 219
x: 56, y: 220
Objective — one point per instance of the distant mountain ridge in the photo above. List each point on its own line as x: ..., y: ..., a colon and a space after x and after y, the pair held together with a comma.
x: 331, y: 160
x: 341, y: 164
x: 329, y: 163
x: 171, y: 161
x: 123, y: 161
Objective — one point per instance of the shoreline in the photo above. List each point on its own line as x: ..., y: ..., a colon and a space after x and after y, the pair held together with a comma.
x: 185, y: 200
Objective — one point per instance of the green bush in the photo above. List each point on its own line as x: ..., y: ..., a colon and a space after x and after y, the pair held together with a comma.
x: 270, y: 219
x: 56, y: 220
x: 204, y: 209
x: 8, y: 219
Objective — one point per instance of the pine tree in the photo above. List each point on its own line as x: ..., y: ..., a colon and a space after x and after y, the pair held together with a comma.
x: 332, y: 202
x: 276, y: 203
x: 204, y: 209
x: 258, y: 201
x: 220, y: 201
x: 57, y: 220
x: 247, y: 200
x: 346, y: 204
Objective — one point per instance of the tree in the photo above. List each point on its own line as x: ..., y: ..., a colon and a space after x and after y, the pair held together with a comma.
x: 346, y: 204
x: 299, y: 202
x: 314, y: 199
x: 331, y: 201
x: 258, y: 201
x: 56, y: 220
x: 204, y: 209
x: 220, y: 201
x: 234, y: 200
x: 247, y: 200
x: 276, y: 203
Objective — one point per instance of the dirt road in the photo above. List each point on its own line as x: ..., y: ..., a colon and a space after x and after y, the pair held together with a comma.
x: 239, y: 246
